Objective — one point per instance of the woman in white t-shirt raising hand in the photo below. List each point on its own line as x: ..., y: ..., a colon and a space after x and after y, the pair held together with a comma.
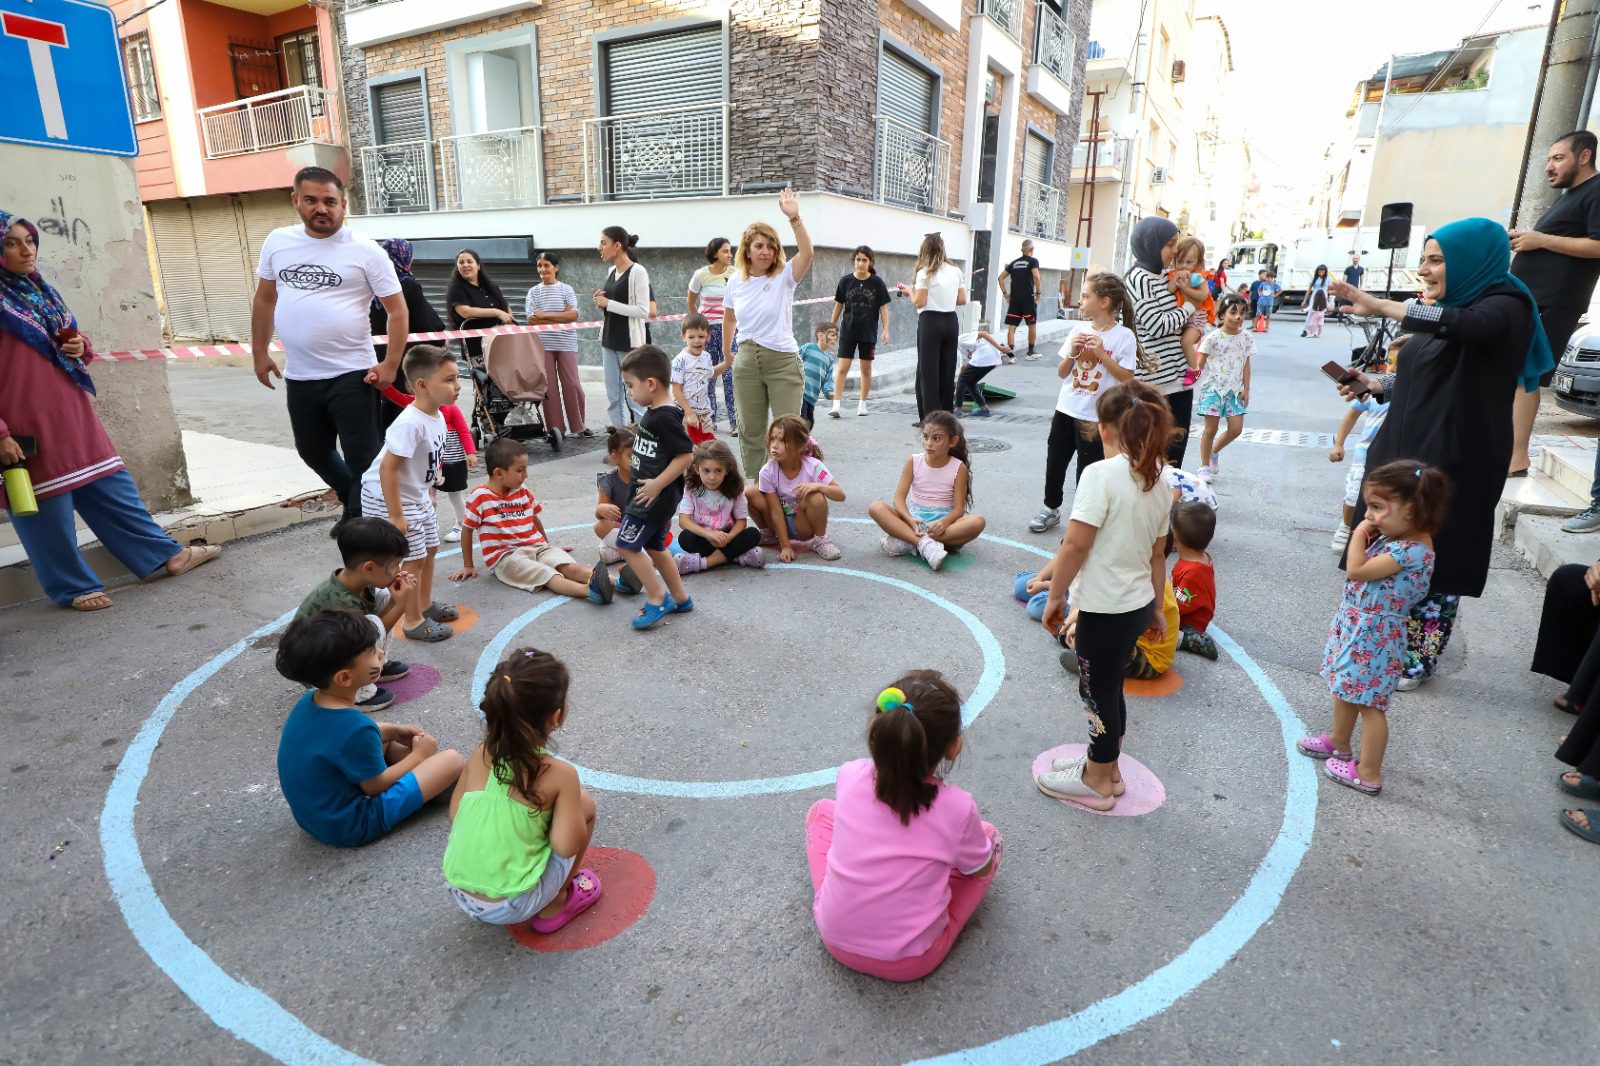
x: 1113, y: 557
x: 938, y: 289
x: 1101, y: 352
x: 758, y: 315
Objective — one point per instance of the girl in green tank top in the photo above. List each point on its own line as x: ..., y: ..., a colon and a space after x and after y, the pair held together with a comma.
x: 520, y: 820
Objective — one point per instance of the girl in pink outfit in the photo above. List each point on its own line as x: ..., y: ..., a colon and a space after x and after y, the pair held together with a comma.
x: 929, y: 514
x: 899, y: 859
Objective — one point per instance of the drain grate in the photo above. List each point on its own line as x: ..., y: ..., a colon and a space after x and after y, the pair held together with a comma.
x: 987, y: 444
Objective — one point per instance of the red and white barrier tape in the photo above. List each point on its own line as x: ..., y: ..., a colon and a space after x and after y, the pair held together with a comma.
x: 213, y: 351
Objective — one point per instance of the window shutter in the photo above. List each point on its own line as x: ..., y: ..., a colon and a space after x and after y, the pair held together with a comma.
x: 1036, y: 158
x: 219, y: 253
x: 402, y: 112
x: 665, y: 71
x: 180, y: 270
x: 905, y: 92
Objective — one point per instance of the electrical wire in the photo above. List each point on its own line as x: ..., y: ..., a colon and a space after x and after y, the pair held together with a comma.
x: 1439, y: 73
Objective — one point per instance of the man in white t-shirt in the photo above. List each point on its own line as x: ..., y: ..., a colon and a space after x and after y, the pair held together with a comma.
x: 316, y: 286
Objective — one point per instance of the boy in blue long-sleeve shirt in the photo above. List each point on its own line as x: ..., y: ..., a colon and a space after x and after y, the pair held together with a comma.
x: 817, y: 360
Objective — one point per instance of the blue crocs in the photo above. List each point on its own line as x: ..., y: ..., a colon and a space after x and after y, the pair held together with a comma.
x: 685, y: 607
x: 652, y: 613
x: 627, y: 583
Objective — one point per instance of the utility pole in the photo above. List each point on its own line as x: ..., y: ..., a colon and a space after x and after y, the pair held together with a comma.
x: 1558, y: 101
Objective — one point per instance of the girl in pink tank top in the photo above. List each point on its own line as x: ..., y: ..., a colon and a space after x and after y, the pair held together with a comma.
x: 929, y: 514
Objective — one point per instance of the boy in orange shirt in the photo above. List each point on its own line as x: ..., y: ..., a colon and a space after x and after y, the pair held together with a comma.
x: 1194, y: 582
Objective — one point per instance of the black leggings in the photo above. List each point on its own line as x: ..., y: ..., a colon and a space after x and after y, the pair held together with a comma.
x: 1182, y: 404
x: 1068, y: 435
x: 967, y: 385
x: 1104, y: 643
x: 937, y: 332
x: 743, y: 541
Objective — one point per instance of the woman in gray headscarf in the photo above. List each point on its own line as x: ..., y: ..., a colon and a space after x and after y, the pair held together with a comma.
x: 1159, y: 320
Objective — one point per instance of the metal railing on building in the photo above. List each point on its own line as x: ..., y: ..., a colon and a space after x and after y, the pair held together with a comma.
x: 1052, y: 42
x: 1110, y: 153
x: 301, y: 115
x: 913, y: 167
x: 398, y: 177
x: 1038, y: 210
x: 501, y: 168
x: 679, y: 151
x: 1007, y: 14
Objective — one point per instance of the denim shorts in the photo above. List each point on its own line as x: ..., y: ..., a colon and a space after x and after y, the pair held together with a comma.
x: 518, y: 909
x: 400, y: 801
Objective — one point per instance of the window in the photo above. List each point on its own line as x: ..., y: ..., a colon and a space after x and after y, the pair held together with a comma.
x: 1164, y: 64
x: 664, y: 129
x: 141, y: 71
x: 302, y: 64
x: 906, y: 91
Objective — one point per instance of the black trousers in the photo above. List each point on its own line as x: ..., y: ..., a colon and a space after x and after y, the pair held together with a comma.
x: 335, y: 426
x: 1182, y: 404
x: 967, y: 385
x: 937, y: 332
x: 1068, y: 436
x: 1104, y: 643
x: 1567, y: 628
x: 695, y: 544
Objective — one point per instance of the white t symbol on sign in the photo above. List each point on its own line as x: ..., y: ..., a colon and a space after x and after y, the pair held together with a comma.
x: 41, y: 37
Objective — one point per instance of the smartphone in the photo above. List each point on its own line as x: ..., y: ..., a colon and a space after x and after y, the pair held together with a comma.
x: 1342, y: 375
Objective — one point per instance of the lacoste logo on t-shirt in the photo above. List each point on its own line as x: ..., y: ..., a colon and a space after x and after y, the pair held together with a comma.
x: 309, y: 276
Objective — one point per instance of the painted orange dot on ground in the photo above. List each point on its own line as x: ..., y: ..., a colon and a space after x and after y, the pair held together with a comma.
x: 628, y: 884
x: 468, y: 619
x: 1165, y: 685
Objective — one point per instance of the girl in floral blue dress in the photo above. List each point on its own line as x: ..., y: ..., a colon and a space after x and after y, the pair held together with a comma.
x: 1389, y: 565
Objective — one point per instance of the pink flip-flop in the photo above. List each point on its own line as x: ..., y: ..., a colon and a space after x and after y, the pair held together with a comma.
x: 582, y: 892
x: 1344, y: 772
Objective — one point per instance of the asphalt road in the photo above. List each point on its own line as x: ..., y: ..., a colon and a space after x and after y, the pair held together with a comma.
x: 1446, y: 921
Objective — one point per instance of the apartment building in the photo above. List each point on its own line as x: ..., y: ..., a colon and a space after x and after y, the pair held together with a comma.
x: 1135, y: 155
x: 1470, y: 101
x: 229, y: 98
x: 510, y: 126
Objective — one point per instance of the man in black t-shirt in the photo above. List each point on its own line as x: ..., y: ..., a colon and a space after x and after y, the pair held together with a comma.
x: 1019, y: 284
x: 1352, y: 276
x: 1559, y: 261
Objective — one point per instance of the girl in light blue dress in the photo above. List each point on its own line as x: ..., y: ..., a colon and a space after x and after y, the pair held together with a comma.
x: 1389, y: 566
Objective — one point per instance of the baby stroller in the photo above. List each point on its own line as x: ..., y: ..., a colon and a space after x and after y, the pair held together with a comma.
x: 508, y: 390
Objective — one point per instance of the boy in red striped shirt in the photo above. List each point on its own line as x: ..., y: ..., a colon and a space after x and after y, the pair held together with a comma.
x: 504, y: 516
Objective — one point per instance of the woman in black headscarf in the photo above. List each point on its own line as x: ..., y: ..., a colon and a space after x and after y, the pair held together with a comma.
x: 424, y: 319
x: 1158, y: 320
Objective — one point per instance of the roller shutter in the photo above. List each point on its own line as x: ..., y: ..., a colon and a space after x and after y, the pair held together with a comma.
x: 906, y: 91
x: 1036, y: 158
x: 180, y: 270
x: 669, y: 70
x: 220, y: 251
x: 402, y: 112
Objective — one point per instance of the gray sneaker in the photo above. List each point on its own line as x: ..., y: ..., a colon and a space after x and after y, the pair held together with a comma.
x: 1047, y: 518
x: 1584, y: 521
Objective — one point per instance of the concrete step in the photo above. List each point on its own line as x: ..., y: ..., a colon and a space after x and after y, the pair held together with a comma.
x: 1570, y: 462
x: 1540, y: 539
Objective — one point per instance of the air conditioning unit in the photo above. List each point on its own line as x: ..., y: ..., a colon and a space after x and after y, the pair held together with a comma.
x: 1177, y: 71
x: 1158, y: 176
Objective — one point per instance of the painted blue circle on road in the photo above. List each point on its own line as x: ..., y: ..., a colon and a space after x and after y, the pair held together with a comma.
x: 252, y: 1016
x: 989, y: 681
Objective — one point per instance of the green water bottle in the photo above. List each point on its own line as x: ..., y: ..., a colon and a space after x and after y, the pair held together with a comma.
x: 19, y: 491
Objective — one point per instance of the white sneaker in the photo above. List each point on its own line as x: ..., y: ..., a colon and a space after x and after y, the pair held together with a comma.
x: 861, y: 409
x: 895, y: 546
x: 1067, y: 784
x: 609, y: 555
x: 1341, y: 538
x: 1047, y: 518
x: 933, y: 553
x: 833, y: 412
x: 1409, y: 684
x: 454, y: 536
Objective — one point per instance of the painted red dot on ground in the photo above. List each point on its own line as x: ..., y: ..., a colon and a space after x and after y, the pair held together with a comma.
x: 1145, y: 792
x: 628, y: 884
x: 421, y: 680
x: 468, y: 619
x: 1156, y: 687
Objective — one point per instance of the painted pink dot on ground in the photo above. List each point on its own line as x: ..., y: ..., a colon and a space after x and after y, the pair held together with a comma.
x: 627, y: 884
x: 1145, y: 792
x: 422, y: 680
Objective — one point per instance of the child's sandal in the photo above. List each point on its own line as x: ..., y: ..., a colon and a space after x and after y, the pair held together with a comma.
x: 582, y: 893
x: 1344, y: 772
x: 1320, y: 747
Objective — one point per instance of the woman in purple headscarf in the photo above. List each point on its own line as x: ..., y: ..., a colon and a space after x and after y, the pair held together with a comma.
x: 424, y: 319
x: 48, y: 422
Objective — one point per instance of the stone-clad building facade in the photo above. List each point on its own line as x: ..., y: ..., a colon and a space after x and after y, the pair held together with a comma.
x: 510, y: 125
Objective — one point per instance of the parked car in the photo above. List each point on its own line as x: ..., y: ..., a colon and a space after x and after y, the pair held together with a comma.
x: 1577, y: 380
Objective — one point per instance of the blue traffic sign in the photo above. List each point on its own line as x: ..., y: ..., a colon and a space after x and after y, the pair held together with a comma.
x: 61, y: 76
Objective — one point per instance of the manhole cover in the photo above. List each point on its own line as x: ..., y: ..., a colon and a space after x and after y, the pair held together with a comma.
x: 987, y: 444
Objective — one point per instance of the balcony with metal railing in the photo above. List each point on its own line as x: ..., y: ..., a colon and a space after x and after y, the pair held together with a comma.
x: 1055, y: 54
x: 1007, y: 14
x: 1109, y: 155
x: 1038, y: 210
x: 501, y: 168
x: 913, y: 167
x: 398, y: 178
x: 302, y: 115
x: 648, y: 155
